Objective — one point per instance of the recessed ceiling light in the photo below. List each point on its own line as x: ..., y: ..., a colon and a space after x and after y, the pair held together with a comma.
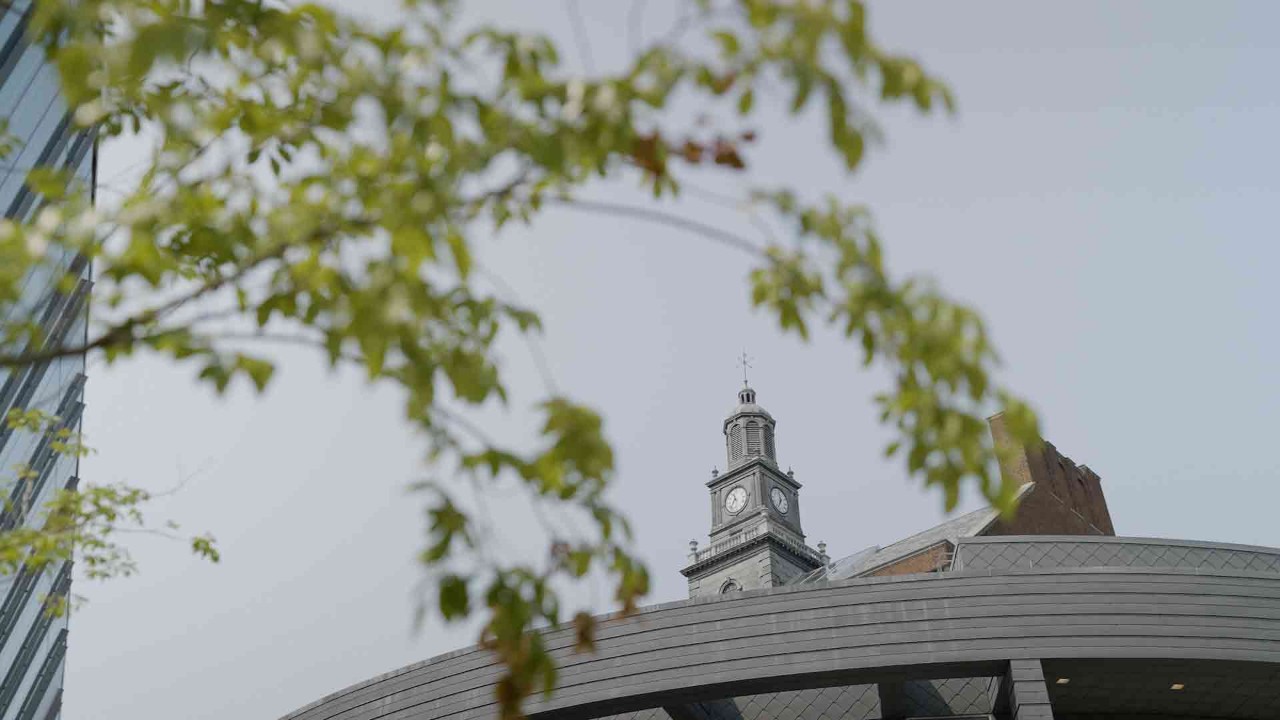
x: 1176, y: 686
x: 1063, y: 681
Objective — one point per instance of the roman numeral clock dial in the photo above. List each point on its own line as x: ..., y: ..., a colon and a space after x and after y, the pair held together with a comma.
x: 736, y: 500
x: 780, y: 501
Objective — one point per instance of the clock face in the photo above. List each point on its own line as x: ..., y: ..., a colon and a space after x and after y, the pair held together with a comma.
x: 736, y: 500
x: 779, y: 499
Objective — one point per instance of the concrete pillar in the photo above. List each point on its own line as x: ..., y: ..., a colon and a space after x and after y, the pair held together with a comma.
x: 893, y: 700
x: 1026, y: 697
x: 725, y: 709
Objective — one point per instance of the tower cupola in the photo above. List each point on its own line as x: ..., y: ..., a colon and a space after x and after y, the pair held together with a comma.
x: 748, y: 431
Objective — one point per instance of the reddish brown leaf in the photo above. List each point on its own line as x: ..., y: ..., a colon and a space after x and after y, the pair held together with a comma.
x: 722, y: 84
x: 646, y: 150
x: 584, y: 632
x: 691, y: 151
x: 727, y: 154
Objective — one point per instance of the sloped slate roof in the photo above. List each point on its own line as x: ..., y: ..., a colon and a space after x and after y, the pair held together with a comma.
x: 963, y: 526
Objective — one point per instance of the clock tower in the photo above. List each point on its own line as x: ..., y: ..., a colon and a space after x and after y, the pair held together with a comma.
x: 756, y: 540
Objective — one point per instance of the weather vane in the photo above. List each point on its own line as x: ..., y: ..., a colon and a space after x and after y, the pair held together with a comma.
x: 745, y: 362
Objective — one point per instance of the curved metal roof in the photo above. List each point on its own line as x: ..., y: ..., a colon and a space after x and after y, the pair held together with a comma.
x: 1171, y: 610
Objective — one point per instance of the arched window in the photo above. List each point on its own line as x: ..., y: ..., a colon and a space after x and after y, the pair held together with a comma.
x: 729, y: 586
x: 754, y: 441
x: 735, y: 443
x: 768, y: 443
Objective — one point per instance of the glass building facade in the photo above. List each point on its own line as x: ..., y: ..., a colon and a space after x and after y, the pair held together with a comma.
x: 33, y: 641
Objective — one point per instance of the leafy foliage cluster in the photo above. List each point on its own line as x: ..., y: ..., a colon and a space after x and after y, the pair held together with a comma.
x: 324, y: 181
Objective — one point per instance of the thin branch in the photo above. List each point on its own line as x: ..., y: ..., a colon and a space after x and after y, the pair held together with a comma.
x: 580, y: 36
x: 298, y: 339
x: 222, y: 281
x: 686, y: 22
x: 183, y: 479
x: 484, y: 521
x: 440, y: 412
x: 24, y: 359
x: 535, y: 349
x: 732, y: 203
x: 635, y: 25
x: 223, y: 314
x: 125, y: 331
x: 501, y: 192
x: 469, y: 427
x: 166, y: 534
x: 728, y: 239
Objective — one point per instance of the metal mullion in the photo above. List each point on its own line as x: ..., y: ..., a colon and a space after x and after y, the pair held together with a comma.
x: 55, y: 708
x: 16, y: 378
x: 31, y: 643
x: 9, y: 52
x: 47, y: 670
x: 61, y: 327
x: 29, y: 201
x: 56, y: 300
x: 20, y: 590
x: 58, y: 140
x: 16, y: 600
x: 15, y: 513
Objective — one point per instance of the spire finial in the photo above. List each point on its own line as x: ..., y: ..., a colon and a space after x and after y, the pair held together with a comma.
x: 744, y: 362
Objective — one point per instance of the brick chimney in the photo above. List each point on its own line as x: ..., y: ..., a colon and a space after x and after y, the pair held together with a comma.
x: 1067, y: 498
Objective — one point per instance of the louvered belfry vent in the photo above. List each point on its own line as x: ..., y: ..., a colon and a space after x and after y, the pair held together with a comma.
x: 749, y: 431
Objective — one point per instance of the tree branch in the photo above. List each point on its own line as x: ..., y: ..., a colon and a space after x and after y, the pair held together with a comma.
x: 580, y: 36
x: 724, y: 237
x: 124, y: 331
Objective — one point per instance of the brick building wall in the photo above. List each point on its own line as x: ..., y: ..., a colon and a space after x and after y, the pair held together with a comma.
x: 1067, y: 499
x: 930, y: 559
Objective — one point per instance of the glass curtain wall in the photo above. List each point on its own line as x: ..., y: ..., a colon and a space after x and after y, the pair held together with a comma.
x: 33, y: 642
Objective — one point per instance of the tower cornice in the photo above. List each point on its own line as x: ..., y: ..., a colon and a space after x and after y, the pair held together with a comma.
x: 735, y: 473
x: 725, y: 550
x: 749, y: 411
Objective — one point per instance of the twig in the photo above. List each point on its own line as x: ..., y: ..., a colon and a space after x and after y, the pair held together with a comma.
x: 580, y: 36
x: 731, y: 203
x: 635, y: 25
x: 126, y: 329
x: 728, y: 239
x: 535, y: 349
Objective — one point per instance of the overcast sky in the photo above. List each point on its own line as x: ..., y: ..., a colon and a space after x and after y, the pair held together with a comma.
x: 1106, y: 197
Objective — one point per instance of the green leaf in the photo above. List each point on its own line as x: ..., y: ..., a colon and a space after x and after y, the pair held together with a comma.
x: 455, y: 601
x: 258, y: 370
x: 728, y: 42
x: 204, y: 547
x: 461, y: 254
x: 49, y: 182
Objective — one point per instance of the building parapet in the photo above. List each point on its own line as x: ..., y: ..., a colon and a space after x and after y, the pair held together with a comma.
x: 1013, y: 553
x: 720, y: 548
x: 751, y: 536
